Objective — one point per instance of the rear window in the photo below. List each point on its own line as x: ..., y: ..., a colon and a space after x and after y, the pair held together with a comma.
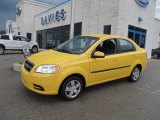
x: 5, y: 37
x: 126, y: 46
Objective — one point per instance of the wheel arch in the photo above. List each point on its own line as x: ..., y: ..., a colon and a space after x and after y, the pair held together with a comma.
x: 140, y: 66
x: 35, y: 46
x: 3, y: 46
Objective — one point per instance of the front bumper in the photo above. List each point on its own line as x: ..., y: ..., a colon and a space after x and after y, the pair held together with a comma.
x: 46, y: 84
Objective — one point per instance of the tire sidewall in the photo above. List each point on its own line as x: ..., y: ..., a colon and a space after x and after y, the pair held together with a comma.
x: 131, y: 76
x: 155, y: 56
x: 2, y: 51
x: 63, y: 88
x: 34, y: 48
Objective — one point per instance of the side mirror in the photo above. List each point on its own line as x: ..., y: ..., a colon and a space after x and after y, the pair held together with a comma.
x: 98, y: 55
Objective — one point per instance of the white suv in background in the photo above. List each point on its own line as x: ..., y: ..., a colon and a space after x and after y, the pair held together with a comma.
x: 13, y: 42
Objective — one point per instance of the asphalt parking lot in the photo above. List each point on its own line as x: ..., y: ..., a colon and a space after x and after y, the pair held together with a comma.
x: 118, y: 100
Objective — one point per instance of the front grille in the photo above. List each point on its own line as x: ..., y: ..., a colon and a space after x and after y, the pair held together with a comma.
x: 28, y: 65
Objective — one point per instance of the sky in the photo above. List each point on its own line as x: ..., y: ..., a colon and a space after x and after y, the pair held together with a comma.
x: 8, y: 10
x: 158, y: 9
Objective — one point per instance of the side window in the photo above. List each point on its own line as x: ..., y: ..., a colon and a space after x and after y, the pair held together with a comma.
x: 17, y: 38
x: 108, y: 47
x: 24, y: 39
x: 5, y: 37
x: 126, y: 46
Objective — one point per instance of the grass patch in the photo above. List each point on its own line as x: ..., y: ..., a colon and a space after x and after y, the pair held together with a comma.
x: 20, y: 63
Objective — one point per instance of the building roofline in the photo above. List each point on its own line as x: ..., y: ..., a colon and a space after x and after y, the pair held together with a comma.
x: 53, y: 7
x: 157, y: 19
x: 45, y: 2
x: 35, y: 1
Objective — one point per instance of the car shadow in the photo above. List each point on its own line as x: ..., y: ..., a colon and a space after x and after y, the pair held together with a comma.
x: 48, y: 99
x: 105, y: 85
x: 12, y: 53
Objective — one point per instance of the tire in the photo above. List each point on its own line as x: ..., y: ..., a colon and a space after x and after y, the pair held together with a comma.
x: 135, y: 75
x: 72, y: 88
x: 2, y: 50
x: 155, y: 56
x: 34, y: 49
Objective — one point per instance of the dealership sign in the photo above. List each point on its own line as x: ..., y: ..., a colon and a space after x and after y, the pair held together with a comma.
x: 57, y: 16
x: 142, y: 3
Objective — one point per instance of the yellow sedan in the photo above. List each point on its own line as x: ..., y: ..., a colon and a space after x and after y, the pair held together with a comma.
x: 82, y: 62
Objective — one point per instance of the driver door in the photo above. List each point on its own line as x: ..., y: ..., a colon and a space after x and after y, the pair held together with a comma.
x: 105, y: 69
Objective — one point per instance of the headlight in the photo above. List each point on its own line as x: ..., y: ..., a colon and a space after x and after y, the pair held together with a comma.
x: 47, y: 69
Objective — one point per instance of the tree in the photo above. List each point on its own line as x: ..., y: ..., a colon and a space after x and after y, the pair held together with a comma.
x: 2, y: 32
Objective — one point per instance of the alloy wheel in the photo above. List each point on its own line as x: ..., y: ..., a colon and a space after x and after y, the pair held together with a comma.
x: 73, y: 89
x: 34, y: 49
x: 1, y: 50
x: 155, y: 56
x: 136, y: 74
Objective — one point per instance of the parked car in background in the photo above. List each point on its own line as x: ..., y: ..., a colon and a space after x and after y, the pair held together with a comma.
x: 156, y: 53
x: 82, y: 62
x: 16, y: 43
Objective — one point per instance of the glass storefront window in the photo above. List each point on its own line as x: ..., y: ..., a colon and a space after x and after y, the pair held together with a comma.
x: 138, y: 35
x: 39, y: 38
x: 44, y: 39
x: 50, y: 38
x: 65, y: 32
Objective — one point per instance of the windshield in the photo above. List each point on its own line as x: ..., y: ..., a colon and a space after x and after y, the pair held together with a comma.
x: 77, y: 45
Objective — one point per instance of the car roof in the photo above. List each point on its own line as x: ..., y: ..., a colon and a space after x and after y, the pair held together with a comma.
x: 105, y: 36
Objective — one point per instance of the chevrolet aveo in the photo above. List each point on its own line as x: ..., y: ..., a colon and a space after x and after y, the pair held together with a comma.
x: 82, y: 62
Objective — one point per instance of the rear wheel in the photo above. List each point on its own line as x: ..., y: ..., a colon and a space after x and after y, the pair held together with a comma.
x: 72, y: 88
x: 34, y: 49
x: 2, y: 50
x: 155, y: 56
x: 134, y: 77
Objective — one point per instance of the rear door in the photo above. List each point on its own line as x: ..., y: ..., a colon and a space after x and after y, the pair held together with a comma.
x: 126, y: 56
x: 17, y: 43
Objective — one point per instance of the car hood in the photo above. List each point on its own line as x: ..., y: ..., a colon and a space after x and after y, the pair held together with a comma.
x: 52, y: 57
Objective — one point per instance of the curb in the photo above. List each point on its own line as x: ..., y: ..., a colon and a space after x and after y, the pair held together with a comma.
x: 17, y: 67
x: 153, y: 60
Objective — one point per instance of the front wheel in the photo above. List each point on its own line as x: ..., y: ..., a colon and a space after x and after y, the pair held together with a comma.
x: 34, y: 49
x: 72, y: 88
x: 134, y: 77
x: 1, y: 50
x: 155, y: 56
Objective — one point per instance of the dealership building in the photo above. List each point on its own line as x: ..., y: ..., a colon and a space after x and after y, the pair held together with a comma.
x: 52, y: 24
